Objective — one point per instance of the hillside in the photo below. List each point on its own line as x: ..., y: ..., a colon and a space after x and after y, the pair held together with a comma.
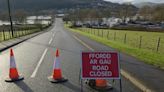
x: 55, y: 4
x: 140, y: 5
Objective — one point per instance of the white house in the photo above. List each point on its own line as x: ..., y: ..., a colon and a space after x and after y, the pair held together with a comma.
x: 6, y: 22
x: 111, y: 21
x: 39, y: 19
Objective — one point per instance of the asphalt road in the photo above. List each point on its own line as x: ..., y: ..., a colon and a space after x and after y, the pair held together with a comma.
x: 35, y: 59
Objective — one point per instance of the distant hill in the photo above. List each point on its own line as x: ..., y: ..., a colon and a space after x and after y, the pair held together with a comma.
x: 59, y: 4
x: 140, y: 5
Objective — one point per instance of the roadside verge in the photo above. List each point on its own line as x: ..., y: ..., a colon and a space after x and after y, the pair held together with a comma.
x: 125, y: 74
x: 15, y: 41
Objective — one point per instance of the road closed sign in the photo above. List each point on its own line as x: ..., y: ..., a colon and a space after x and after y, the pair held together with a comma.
x: 102, y: 65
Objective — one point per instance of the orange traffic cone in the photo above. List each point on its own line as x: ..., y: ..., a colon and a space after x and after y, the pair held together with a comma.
x: 99, y: 84
x: 57, y: 74
x: 13, y: 73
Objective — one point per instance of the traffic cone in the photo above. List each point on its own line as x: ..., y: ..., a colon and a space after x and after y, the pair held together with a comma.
x: 57, y: 72
x: 13, y: 73
x: 99, y: 84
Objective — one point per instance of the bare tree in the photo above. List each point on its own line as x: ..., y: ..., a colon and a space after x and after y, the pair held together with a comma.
x: 20, y: 15
x: 158, y: 13
x: 3, y: 16
x: 146, y: 12
x: 126, y: 11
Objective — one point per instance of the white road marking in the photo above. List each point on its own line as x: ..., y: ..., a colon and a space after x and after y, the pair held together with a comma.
x: 54, y: 34
x: 39, y: 63
x: 41, y: 59
x: 83, y: 43
x: 50, y: 41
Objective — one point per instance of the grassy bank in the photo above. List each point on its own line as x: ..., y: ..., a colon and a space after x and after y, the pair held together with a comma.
x: 5, y: 33
x: 126, y: 45
x: 152, y: 41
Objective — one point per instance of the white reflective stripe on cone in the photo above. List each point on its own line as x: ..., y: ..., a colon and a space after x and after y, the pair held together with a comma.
x: 12, y: 62
x: 56, y: 63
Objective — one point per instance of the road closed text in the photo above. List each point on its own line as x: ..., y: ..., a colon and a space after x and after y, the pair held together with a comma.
x: 98, y: 65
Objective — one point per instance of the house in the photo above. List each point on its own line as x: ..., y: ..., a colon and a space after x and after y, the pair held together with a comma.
x: 39, y: 19
x: 110, y: 22
x: 4, y: 23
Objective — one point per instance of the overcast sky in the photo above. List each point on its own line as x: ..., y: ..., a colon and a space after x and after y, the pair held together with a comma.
x: 137, y: 1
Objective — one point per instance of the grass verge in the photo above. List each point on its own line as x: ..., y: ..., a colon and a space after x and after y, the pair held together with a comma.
x: 149, y: 57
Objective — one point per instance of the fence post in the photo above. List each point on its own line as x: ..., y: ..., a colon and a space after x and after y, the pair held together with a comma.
x: 17, y: 35
x: 98, y: 32
x: 102, y: 33
x: 125, y: 39
x: 8, y: 34
x: 108, y: 35
x: 140, y: 42
x: 82, y: 29
x: 87, y: 30
x: 22, y: 32
x: 1, y: 34
x: 158, y: 44
x: 28, y: 31
x: 16, y: 32
x: 4, y: 38
x: 94, y: 32
x: 91, y: 31
x: 114, y: 35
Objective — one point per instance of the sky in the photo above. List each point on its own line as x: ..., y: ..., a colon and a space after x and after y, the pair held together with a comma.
x: 136, y: 1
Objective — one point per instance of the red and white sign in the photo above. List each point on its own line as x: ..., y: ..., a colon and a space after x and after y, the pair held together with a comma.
x: 102, y: 65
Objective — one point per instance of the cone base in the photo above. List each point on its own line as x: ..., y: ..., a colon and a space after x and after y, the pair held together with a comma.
x: 51, y: 79
x: 14, y: 80
x: 93, y: 86
x: 106, y: 88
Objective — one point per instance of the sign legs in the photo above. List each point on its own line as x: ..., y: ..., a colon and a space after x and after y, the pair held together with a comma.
x: 120, y: 85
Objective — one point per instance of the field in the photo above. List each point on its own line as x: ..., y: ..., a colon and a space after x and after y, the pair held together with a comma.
x: 153, y: 41
x: 5, y: 33
x: 145, y: 46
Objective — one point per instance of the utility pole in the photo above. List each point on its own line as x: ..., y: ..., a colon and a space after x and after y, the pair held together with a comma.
x: 11, y: 23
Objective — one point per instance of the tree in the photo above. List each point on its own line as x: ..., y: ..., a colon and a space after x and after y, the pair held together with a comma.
x: 4, y: 16
x: 158, y: 14
x: 126, y: 11
x: 155, y: 13
x: 20, y: 15
x: 106, y: 13
x: 146, y: 12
